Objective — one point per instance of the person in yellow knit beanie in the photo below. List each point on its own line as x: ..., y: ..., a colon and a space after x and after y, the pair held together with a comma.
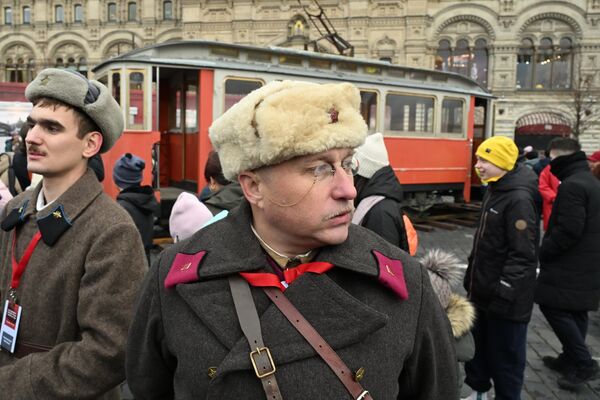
x: 500, y: 277
x: 495, y: 157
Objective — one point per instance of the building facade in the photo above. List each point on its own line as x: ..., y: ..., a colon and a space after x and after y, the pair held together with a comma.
x: 539, y: 57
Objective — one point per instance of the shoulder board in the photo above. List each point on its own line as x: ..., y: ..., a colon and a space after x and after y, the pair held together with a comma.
x: 14, y: 217
x: 391, y: 275
x: 184, y: 269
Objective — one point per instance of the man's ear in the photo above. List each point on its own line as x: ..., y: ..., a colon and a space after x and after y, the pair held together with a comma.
x: 92, y: 144
x: 250, y: 183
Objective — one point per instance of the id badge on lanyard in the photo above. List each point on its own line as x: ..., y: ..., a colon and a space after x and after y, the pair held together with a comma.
x: 11, y: 317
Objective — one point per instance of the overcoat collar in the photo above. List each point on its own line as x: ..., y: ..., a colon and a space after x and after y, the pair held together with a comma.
x: 340, y: 318
x: 55, y: 219
x: 245, y: 253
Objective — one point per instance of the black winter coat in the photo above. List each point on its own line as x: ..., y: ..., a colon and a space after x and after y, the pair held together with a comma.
x: 229, y: 197
x: 569, y: 276
x: 500, y: 277
x: 140, y: 203
x: 385, y: 217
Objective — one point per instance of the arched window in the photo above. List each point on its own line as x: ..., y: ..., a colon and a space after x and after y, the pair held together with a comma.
x: 297, y: 28
x: 131, y: 11
x: 471, y: 61
x: 59, y: 63
x: 443, y: 60
x: 544, y: 66
x: 59, y: 14
x: 561, y: 67
x: 78, y: 13
x: 525, y: 65
x: 168, y: 9
x: 461, y: 57
x: 479, y: 62
x: 112, y: 12
x: 26, y: 15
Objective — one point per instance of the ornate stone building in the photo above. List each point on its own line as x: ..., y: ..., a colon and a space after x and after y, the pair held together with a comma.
x: 540, y: 57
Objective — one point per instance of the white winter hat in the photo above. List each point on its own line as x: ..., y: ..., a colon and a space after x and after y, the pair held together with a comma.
x: 371, y: 156
x: 287, y: 119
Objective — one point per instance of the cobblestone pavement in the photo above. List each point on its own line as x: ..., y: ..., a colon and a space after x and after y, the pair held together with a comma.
x: 540, y: 382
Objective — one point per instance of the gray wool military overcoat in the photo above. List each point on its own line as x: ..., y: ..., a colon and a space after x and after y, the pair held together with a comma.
x: 77, y: 293
x: 179, y: 334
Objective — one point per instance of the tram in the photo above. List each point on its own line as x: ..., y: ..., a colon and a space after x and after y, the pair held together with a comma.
x: 170, y: 94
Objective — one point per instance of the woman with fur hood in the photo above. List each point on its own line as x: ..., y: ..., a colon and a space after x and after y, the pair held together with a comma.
x: 444, y: 273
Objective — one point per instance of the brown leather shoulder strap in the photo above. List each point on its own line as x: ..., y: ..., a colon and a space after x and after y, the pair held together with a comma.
x: 260, y: 355
x: 322, y: 348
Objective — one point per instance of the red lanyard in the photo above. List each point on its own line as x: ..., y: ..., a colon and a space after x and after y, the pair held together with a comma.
x: 19, y: 267
x: 263, y: 279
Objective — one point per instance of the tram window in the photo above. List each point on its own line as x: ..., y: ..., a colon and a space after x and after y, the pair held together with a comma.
x: 225, y: 52
x: 258, y: 56
x: 290, y: 60
x: 116, y: 86
x: 479, y: 122
x: 320, y: 64
x: 136, y: 101
x: 395, y: 73
x: 343, y: 66
x: 368, y: 109
x: 408, y: 115
x: 191, y: 108
x: 369, y: 69
x: 236, y: 89
x: 453, y: 116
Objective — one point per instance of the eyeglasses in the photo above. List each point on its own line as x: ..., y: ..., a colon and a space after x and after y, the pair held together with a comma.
x: 325, y: 170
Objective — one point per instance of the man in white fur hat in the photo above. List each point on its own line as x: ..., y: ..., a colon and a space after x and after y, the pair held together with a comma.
x: 284, y: 298
x: 71, y: 257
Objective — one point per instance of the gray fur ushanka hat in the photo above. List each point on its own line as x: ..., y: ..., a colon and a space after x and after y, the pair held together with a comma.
x: 89, y: 96
x: 287, y: 119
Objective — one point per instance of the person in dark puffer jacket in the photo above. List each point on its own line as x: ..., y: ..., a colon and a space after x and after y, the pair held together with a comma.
x: 139, y: 201
x: 500, y: 277
x: 376, y: 182
x: 568, y: 285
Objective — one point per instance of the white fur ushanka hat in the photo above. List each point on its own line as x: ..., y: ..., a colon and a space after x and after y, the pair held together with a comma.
x: 287, y: 119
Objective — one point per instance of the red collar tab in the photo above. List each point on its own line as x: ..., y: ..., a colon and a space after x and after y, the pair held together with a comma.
x: 184, y: 269
x: 264, y: 279
x: 391, y: 275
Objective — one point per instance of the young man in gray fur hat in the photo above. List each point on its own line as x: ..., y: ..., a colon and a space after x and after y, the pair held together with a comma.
x: 72, y: 258
x: 212, y: 321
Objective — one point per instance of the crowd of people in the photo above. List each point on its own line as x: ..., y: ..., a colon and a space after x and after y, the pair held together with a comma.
x: 291, y: 275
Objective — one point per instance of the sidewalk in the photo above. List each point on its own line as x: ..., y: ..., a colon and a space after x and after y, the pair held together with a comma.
x: 540, y: 382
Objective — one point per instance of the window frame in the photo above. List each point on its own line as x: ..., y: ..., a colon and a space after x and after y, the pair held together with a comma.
x: 164, y: 10
x: 132, y: 16
x: 8, y: 16
x: 237, y: 78
x: 408, y: 133
x: 115, y: 15
x: 26, y: 10
x: 464, y: 118
x: 377, y: 107
x: 59, y: 8
x: 76, y: 7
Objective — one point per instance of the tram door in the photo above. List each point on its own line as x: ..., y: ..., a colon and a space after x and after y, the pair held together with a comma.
x: 178, y: 124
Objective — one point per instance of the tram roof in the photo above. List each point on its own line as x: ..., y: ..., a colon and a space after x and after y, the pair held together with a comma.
x: 220, y: 55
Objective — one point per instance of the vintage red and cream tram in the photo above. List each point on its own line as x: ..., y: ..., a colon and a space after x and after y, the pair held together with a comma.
x: 171, y: 93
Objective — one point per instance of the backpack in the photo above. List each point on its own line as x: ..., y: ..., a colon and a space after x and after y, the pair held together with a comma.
x: 368, y: 202
x: 7, y: 174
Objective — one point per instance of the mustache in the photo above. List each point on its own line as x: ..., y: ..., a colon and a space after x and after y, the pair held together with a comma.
x: 346, y: 210
x: 34, y: 149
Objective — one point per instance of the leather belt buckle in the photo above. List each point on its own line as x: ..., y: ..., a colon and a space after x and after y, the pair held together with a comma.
x: 362, y: 395
x: 256, y: 353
